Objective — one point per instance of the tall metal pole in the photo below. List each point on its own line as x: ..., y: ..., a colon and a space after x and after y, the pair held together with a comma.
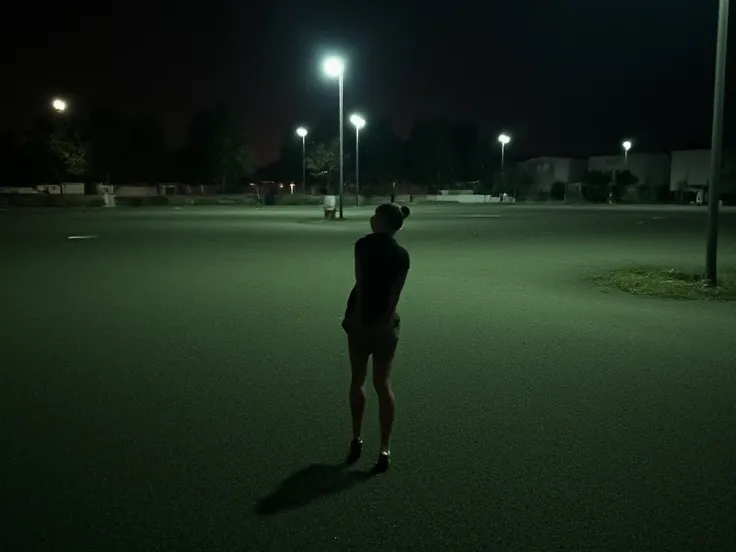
x: 503, y: 169
x: 716, y: 160
x: 357, y: 166
x: 304, y: 165
x: 341, y: 152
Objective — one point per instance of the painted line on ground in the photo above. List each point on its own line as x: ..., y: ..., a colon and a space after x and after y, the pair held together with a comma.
x: 480, y: 216
x: 81, y: 237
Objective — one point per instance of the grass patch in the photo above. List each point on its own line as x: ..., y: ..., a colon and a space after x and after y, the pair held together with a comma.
x: 669, y: 284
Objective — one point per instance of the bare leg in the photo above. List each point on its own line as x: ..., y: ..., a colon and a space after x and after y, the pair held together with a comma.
x: 386, y: 399
x: 359, y: 367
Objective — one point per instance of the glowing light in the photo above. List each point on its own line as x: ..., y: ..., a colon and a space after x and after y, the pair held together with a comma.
x: 504, y: 139
x: 301, y: 132
x: 59, y: 105
x: 334, y: 67
x: 627, y: 145
x: 358, y: 121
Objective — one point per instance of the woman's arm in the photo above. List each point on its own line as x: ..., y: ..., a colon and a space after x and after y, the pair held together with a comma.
x: 395, y: 294
x: 358, y: 280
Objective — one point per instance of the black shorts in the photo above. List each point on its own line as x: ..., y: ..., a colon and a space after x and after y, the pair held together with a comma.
x: 372, y: 339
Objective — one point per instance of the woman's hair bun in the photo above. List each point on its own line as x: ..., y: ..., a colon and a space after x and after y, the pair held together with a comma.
x: 405, y: 211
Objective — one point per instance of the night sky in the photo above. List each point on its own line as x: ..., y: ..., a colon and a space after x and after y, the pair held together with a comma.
x: 563, y: 76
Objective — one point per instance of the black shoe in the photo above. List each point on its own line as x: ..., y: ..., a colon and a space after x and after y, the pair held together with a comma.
x: 356, y: 449
x: 383, y: 463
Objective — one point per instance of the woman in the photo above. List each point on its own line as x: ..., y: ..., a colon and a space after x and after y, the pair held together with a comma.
x: 372, y: 324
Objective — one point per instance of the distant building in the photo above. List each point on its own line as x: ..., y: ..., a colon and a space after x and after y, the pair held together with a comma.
x: 651, y: 169
x: 690, y: 171
x: 546, y: 171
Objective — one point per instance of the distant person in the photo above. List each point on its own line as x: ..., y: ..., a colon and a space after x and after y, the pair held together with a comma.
x: 372, y: 323
x: 330, y: 205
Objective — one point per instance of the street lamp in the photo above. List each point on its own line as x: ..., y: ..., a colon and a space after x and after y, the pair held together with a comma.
x: 334, y: 67
x: 358, y: 123
x: 504, y: 139
x: 59, y: 105
x: 302, y: 133
x: 716, y: 160
x: 627, y: 146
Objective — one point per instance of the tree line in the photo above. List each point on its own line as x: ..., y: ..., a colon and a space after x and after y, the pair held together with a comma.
x: 105, y: 146
x: 436, y: 154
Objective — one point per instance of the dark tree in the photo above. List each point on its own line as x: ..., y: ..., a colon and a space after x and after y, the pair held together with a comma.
x: 144, y: 152
x: 55, y: 149
x: 10, y: 154
x: 429, y: 155
x: 380, y: 157
x: 596, y: 186
x: 37, y: 162
x: 463, y: 141
x: 441, y: 153
x: 106, y: 134
x: 611, y: 185
x: 219, y: 151
x: 323, y: 161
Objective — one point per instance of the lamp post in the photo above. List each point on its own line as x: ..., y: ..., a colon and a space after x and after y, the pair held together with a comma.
x: 716, y: 161
x: 504, y: 139
x: 334, y: 67
x: 358, y: 123
x: 302, y: 133
x: 627, y: 146
x: 60, y: 106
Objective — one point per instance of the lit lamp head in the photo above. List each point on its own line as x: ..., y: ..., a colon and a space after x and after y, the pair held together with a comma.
x: 358, y: 121
x: 301, y: 132
x: 504, y: 139
x: 627, y: 145
x: 334, y: 67
x: 59, y: 105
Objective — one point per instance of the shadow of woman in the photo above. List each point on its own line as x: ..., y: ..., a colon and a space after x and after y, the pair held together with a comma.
x: 309, y: 484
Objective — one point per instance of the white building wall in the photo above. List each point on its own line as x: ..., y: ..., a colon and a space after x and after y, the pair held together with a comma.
x: 691, y: 169
x: 545, y: 171
x: 67, y: 188
x: 652, y: 170
x: 136, y: 191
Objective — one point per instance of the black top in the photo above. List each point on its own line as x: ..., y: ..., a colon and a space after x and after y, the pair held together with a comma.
x: 381, y: 261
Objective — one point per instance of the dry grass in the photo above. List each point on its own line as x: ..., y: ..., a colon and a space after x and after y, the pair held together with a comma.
x: 669, y: 284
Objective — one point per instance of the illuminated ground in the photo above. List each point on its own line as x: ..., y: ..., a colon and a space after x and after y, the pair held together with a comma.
x: 162, y: 379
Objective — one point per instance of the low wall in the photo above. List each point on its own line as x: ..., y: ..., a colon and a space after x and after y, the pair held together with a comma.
x: 468, y: 198
x: 136, y: 191
x: 377, y: 200
x: 50, y: 200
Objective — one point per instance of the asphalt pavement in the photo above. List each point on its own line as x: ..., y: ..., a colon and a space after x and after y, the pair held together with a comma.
x: 178, y: 382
